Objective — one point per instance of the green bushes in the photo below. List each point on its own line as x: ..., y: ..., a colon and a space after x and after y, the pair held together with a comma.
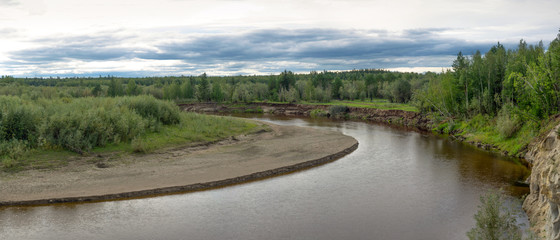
x: 495, y: 220
x: 338, y: 110
x: 148, y: 107
x: 17, y: 120
x: 79, y: 125
x: 507, y: 123
x: 317, y: 113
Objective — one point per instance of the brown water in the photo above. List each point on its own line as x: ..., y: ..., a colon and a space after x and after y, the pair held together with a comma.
x: 397, y: 185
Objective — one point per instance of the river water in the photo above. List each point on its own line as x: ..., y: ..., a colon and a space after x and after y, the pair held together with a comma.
x: 398, y: 184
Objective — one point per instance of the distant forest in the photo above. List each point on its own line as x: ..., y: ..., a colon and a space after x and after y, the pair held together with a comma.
x: 523, y: 83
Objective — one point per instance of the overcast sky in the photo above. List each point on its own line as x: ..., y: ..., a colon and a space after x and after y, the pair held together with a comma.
x: 232, y: 37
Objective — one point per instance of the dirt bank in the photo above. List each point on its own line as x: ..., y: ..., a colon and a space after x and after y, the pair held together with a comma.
x: 281, y: 150
x: 393, y: 117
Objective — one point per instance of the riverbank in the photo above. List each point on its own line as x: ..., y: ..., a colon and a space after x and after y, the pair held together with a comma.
x: 479, y: 132
x: 239, y: 159
x: 387, y: 116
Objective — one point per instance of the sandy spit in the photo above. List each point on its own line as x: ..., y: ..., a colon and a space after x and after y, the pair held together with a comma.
x: 282, y: 150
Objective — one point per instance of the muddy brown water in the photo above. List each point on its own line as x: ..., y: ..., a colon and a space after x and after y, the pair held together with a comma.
x: 398, y: 184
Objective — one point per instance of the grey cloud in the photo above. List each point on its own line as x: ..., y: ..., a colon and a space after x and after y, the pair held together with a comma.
x: 299, y: 50
x: 85, y: 48
x: 310, y: 43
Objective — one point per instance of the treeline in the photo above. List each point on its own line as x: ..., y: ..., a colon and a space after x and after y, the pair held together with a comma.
x: 514, y: 85
x: 285, y: 87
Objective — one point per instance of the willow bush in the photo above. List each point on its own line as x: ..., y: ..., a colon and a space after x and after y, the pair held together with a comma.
x: 79, y: 124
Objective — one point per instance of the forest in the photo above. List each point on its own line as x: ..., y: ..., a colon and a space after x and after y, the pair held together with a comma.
x: 510, y: 93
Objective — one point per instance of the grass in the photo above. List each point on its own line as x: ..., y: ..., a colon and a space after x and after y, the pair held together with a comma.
x: 484, y: 129
x: 193, y: 129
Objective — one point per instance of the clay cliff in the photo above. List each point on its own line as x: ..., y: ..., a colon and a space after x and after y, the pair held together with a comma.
x: 543, y: 200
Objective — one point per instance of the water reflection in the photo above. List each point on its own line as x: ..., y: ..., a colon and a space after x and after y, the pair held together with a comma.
x: 396, y: 185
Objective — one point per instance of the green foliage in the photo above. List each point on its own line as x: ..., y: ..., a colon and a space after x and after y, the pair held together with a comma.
x: 337, y: 84
x: 338, y: 110
x: 132, y: 89
x: 115, y: 88
x: 526, y: 78
x: 217, y: 94
x: 97, y: 90
x: 79, y: 125
x: 286, y: 79
x: 317, y: 113
x: 141, y: 145
x: 400, y: 91
x: 18, y: 120
x: 494, y: 220
x: 507, y: 123
x: 203, y: 89
x: 136, y: 124
x: 11, y: 151
x: 159, y: 112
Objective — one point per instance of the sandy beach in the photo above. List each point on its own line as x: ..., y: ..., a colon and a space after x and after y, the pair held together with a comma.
x: 240, y: 159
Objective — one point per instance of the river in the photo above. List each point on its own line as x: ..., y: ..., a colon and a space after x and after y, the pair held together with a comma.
x: 398, y: 184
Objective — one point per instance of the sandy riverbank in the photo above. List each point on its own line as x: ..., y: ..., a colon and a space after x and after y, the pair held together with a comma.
x: 246, y: 158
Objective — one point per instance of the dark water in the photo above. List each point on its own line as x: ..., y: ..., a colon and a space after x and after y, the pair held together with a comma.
x: 397, y: 185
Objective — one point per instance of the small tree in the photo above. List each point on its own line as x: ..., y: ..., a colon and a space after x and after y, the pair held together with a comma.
x: 115, y: 88
x: 217, y: 94
x: 494, y: 221
x: 132, y: 89
x: 96, y: 91
x: 203, y: 89
x: 337, y: 84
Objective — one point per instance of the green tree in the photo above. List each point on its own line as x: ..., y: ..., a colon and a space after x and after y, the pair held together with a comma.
x: 400, y: 91
x: 336, y: 86
x: 494, y: 221
x: 286, y: 79
x: 217, y: 94
x: 460, y: 67
x: 115, y: 88
x: 203, y: 89
x: 132, y: 89
x: 96, y: 91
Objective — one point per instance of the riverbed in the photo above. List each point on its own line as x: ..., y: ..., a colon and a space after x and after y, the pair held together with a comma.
x: 398, y: 184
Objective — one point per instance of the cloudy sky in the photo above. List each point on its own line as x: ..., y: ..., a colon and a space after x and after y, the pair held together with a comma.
x: 232, y: 37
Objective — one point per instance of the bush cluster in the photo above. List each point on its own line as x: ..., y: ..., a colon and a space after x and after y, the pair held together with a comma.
x: 337, y: 110
x: 507, y: 123
x: 78, y: 125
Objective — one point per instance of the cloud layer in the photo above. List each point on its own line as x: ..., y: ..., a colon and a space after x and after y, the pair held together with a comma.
x: 250, y: 52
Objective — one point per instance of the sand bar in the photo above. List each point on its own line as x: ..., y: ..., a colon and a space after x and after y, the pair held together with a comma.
x: 245, y: 158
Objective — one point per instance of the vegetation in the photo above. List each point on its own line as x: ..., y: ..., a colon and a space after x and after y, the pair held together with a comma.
x: 315, y: 87
x: 502, y: 97
x: 81, y: 125
x: 495, y: 221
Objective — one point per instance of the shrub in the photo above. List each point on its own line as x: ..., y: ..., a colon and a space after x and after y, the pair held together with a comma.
x: 507, y: 123
x: 317, y: 113
x: 494, y: 220
x: 337, y: 110
x: 13, y: 149
x: 140, y: 145
x: 18, y: 120
x: 148, y: 107
x: 88, y: 123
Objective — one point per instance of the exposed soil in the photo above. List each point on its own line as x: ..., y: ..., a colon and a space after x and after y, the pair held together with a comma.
x: 240, y: 159
x: 392, y: 117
